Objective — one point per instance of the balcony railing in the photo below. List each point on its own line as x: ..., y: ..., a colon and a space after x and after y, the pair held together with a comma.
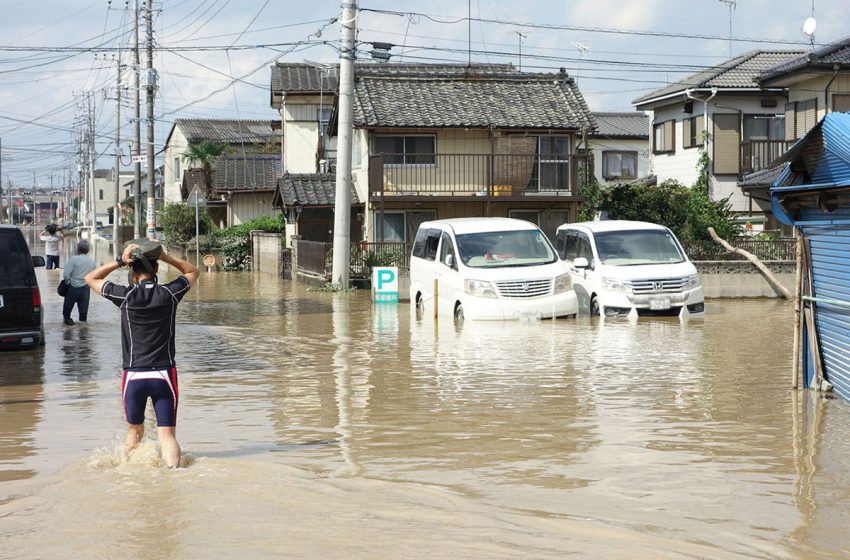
x: 475, y: 175
x: 757, y: 154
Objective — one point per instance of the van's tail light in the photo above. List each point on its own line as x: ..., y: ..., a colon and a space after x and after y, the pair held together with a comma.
x: 36, y: 297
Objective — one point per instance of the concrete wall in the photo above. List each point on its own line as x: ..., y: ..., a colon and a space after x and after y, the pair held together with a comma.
x: 741, y: 279
x: 266, y: 252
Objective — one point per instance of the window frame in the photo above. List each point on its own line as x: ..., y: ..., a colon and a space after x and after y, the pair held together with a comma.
x: 672, y: 149
x: 405, y: 153
x: 695, y: 137
x: 620, y: 153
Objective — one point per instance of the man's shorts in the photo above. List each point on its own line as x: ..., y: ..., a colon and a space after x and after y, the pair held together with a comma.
x: 160, y: 386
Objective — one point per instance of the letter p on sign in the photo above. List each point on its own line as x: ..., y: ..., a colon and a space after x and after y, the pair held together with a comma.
x: 385, y: 283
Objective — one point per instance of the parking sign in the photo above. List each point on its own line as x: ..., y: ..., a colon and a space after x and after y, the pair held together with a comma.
x: 385, y: 284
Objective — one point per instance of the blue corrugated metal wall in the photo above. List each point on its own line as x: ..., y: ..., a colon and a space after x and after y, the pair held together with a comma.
x: 830, y: 249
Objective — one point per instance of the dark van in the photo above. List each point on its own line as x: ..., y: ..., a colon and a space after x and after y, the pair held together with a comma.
x: 21, y: 313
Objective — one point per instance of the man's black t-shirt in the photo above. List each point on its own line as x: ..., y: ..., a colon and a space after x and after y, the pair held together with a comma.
x: 147, y: 321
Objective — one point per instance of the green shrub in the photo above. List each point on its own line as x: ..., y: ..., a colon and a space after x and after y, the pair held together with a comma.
x: 235, y: 241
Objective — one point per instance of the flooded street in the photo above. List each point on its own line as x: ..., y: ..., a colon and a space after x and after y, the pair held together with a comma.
x: 317, y: 425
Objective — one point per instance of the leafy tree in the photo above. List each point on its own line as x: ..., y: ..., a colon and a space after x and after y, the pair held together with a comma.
x: 204, y: 154
x: 178, y: 223
x: 590, y: 192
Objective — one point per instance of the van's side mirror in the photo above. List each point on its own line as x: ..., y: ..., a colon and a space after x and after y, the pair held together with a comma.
x: 37, y: 260
x: 581, y: 262
x: 450, y: 261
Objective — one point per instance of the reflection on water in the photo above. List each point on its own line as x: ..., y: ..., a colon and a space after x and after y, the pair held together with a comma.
x: 323, y: 426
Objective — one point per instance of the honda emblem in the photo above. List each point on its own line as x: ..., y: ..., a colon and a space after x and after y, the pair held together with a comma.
x: 658, y: 286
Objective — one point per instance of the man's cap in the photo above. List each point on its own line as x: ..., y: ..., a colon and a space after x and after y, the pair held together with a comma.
x: 147, y: 252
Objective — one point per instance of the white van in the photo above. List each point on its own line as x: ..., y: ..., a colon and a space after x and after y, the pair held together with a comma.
x: 618, y: 265
x: 488, y: 269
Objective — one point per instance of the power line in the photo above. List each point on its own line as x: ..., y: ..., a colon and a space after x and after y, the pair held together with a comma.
x: 584, y: 29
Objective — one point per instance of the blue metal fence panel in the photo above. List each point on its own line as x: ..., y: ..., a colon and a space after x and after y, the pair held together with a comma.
x: 830, y: 251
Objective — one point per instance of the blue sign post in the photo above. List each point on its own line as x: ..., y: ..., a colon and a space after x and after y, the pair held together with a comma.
x: 385, y: 284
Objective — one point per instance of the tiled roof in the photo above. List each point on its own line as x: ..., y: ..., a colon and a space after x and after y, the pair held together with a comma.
x: 822, y: 58
x: 309, y: 189
x: 192, y: 177
x: 463, y: 97
x: 227, y: 131
x: 735, y: 73
x: 621, y: 125
x: 249, y: 173
x: 763, y: 178
x: 298, y: 77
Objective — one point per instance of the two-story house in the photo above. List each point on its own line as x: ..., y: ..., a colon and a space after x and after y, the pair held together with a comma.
x: 723, y: 110
x: 243, y: 137
x: 104, y: 192
x: 620, y: 147
x: 450, y: 140
x: 818, y: 83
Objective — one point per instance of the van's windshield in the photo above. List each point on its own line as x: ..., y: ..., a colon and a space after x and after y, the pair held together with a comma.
x: 636, y: 247
x: 494, y: 249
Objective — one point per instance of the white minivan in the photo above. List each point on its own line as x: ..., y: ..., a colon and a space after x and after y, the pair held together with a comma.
x: 618, y: 265
x: 488, y: 269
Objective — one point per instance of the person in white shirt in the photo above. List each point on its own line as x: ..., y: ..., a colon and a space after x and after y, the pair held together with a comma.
x: 78, y: 292
x: 52, y: 237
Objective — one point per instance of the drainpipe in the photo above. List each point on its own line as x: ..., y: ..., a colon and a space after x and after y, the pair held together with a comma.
x: 705, y: 124
x: 826, y: 91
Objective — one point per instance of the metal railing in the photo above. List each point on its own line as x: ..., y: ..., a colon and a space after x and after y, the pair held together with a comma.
x: 486, y: 175
x: 758, y: 154
x: 366, y: 255
x: 766, y: 250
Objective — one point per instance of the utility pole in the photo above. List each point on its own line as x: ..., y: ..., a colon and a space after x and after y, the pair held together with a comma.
x: 150, y: 85
x: 1, y: 181
x: 342, y: 203
x: 91, y: 207
x: 137, y: 138
x: 115, y: 205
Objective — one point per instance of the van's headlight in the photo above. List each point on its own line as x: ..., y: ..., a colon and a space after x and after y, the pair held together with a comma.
x: 479, y: 288
x: 563, y: 283
x: 692, y: 282
x: 616, y: 285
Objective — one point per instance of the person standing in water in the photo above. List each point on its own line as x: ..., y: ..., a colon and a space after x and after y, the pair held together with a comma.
x: 148, y: 311
x: 52, y: 236
x: 78, y: 293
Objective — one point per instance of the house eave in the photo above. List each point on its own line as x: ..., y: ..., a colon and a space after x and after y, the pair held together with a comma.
x: 645, y: 105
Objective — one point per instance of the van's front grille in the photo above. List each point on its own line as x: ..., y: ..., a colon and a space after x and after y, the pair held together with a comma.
x: 525, y: 288
x: 661, y: 285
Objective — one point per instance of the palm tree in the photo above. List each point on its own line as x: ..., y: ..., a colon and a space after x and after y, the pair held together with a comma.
x: 205, y: 153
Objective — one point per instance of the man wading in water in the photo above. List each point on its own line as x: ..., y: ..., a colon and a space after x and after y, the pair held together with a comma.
x: 147, y: 339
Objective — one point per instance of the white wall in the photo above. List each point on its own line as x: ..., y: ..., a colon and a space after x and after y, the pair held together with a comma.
x: 177, y: 144
x: 247, y: 206
x: 599, y: 145
x: 301, y: 131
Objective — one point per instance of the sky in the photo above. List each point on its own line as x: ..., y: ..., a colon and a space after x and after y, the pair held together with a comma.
x: 213, y: 56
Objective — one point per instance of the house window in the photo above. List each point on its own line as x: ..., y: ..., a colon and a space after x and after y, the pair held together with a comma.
x: 663, y: 136
x: 100, y: 194
x: 406, y: 150
x: 401, y: 227
x: 619, y: 165
x: 841, y: 103
x: 800, y: 117
x: 764, y: 127
x: 692, y: 132
x: 552, y: 172
x: 177, y: 169
x: 532, y: 216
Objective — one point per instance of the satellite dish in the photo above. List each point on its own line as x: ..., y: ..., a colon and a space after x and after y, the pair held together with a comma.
x: 809, y: 26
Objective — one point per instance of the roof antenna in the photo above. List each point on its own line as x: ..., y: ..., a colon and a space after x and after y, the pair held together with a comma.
x: 732, y: 4
x: 810, y: 25
x: 582, y: 50
x: 520, y: 36
x: 469, y: 32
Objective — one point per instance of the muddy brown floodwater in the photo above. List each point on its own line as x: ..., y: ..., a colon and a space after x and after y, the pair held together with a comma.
x: 317, y: 425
